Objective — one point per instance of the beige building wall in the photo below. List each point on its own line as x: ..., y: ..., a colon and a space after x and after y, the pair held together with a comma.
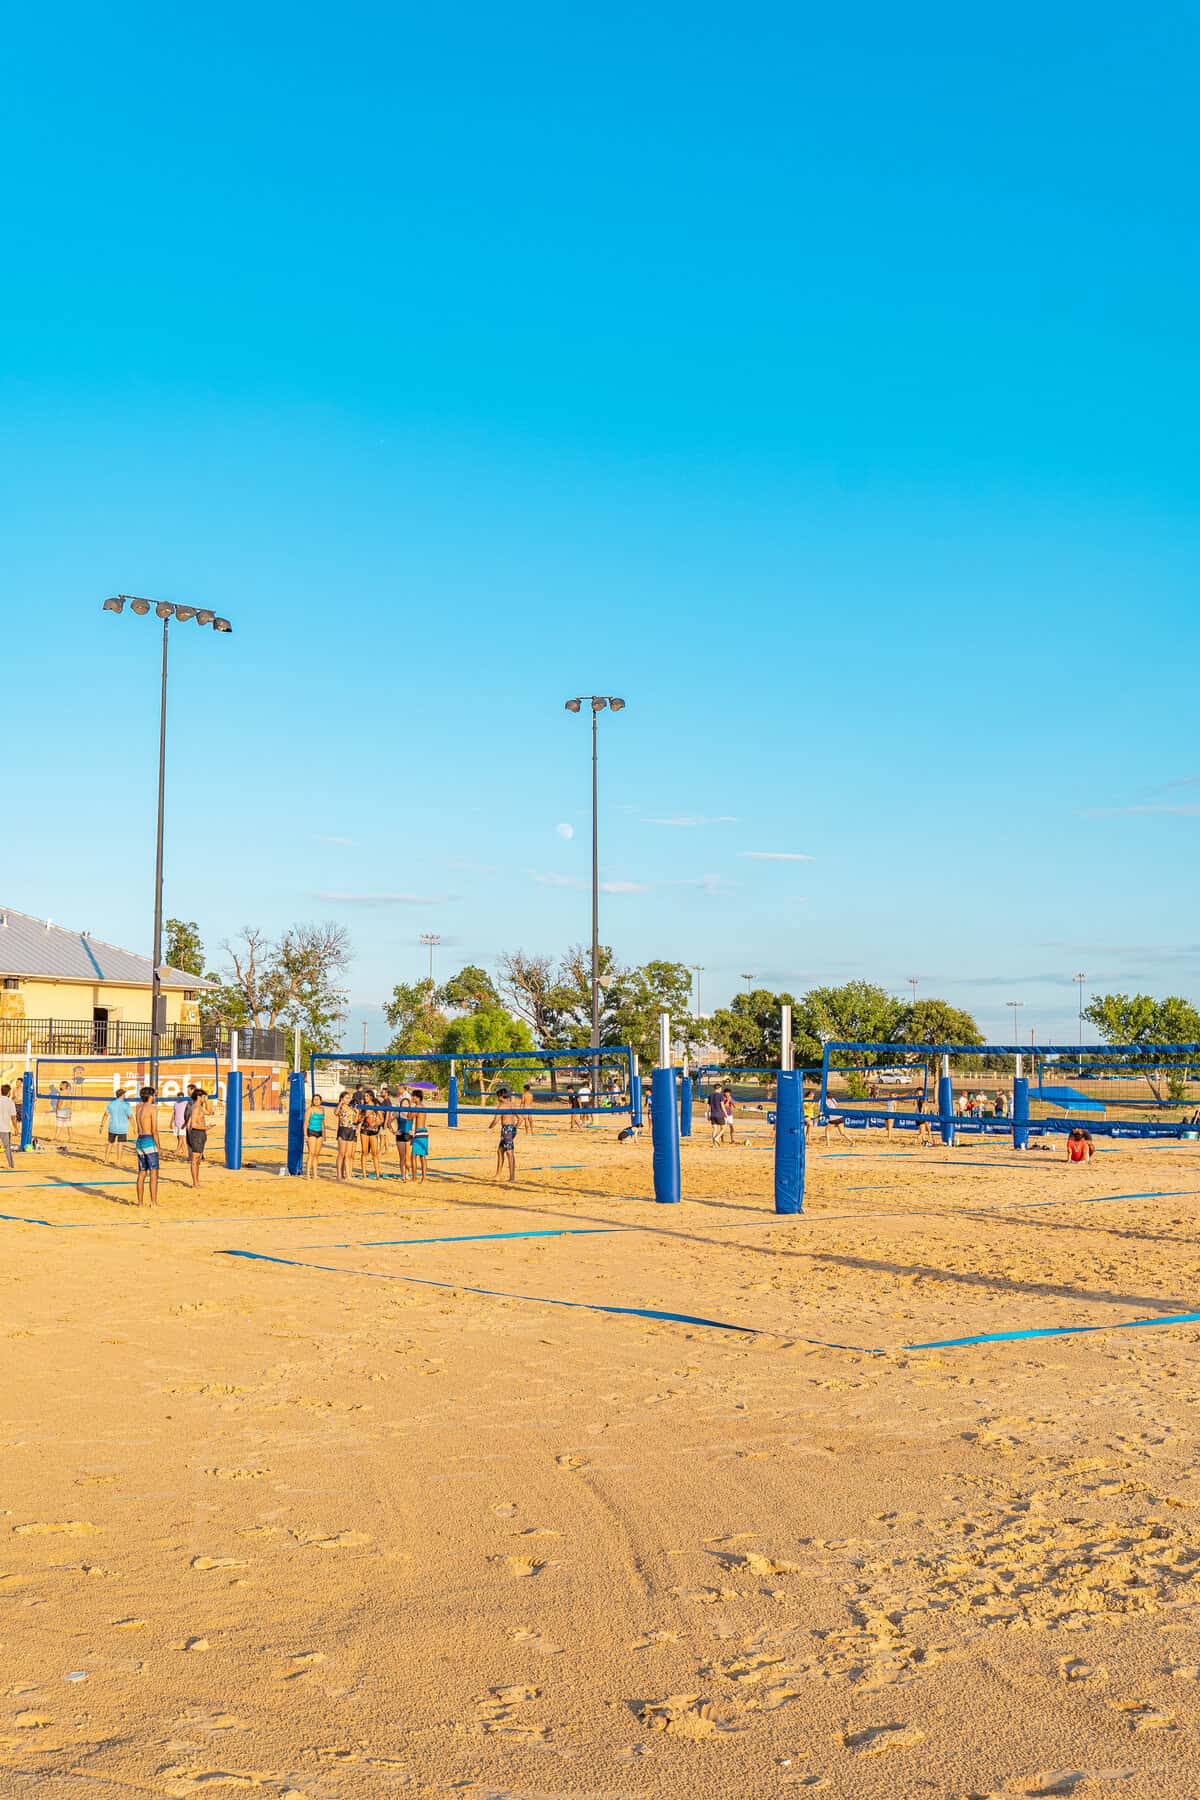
x: 39, y: 998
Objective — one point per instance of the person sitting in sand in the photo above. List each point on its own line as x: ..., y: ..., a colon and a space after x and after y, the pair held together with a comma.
x: 1080, y: 1148
x: 506, y: 1147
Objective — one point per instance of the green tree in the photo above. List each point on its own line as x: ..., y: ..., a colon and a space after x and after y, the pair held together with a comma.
x: 471, y: 990
x: 185, y: 951
x: 416, y: 1020
x: 937, y: 1022
x: 1140, y: 1019
x: 491, y: 1030
x: 857, y: 1012
x: 635, y: 1000
x: 749, y: 1031
x: 288, y: 981
x: 1125, y: 1018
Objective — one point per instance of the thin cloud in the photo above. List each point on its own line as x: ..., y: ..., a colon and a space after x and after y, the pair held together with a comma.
x: 694, y: 819
x: 320, y: 838
x: 1189, y: 810
x: 387, y: 899
x: 550, y: 879
x: 623, y: 887
x: 775, y: 855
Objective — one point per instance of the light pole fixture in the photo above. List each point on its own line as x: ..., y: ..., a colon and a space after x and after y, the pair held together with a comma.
x: 914, y: 982
x: 748, y: 975
x: 1080, y: 977
x: 597, y: 702
x: 1016, y: 1004
x: 431, y: 939
x: 697, y: 970
x: 164, y: 610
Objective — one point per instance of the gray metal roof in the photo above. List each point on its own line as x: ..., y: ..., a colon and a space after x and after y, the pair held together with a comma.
x: 37, y: 949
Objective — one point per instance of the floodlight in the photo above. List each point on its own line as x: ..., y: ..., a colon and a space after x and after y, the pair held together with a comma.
x: 598, y: 703
x: 574, y: 705
x: 116, y: 604
x: 163, y: 609
x: 615, y: 705
x: 205, y: 617
x: 222, y: 625
x: 184, y: 613
x: 140, y: 607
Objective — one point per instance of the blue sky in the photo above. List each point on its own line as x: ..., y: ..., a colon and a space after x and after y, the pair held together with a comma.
x: 826, y: 386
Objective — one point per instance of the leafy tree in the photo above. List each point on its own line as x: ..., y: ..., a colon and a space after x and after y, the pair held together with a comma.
x: 573, y: 997
x: 185, y: 951
x: 490, y: 1029
x: 288, y: 981
x: 471, y: 990
x: 856, y: 1011
x: 750, y: 1030
x: 937, y: 1022
x: 417, y: 1022
x: 1142, y: 1020
x: 635, y: 1000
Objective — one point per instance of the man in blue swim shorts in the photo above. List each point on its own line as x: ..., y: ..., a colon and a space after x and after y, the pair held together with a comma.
x: 145, y: 1124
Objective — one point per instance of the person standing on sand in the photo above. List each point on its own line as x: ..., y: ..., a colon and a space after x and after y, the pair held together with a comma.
x: 727, y: 1112
x: 419, y: 1153
x: 716, y: 1117
x: 369, y: 1122
x: 526, y: 1103
x: 404, y: 1135
x: 116, y: 1123
x: 314, y: 1135
x: 506, y: 1148
x: 8, y: 1112
x: 62, y: 1114
x: 145, y: 1125
x: 573, y: 1103
x: 180, y: 1107
x: 197, y: 1133
x: 346, y: 1134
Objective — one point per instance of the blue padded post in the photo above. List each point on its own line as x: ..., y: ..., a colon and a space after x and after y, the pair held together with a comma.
x: 789, y: 1142
x: 452, y: 1103
x: 686, y: 1092
x: 26, y: 1110
x: 1021, y: 1113
x: 233, y: 1119
x: 664, y: 1125
x: 635, y: 1101
x: 946, y: 1108
x: 295, y: 1137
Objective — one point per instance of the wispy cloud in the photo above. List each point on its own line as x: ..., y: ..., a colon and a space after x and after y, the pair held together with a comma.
x: 694, y: 819
x: 548, y: 878
x: 775, y: 855
x: 387, y: 899
x: 1186, y: 810
x: 623, y: 887
x: 319, y: 837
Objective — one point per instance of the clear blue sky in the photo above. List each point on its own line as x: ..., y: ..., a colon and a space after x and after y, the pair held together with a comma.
x: 824, y: 383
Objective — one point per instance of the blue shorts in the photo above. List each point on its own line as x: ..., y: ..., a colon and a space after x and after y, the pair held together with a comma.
x: 420, y: 1143
x: 147, y: 1161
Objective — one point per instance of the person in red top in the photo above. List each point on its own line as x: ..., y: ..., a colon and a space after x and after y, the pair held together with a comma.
x: 1080, y: 1148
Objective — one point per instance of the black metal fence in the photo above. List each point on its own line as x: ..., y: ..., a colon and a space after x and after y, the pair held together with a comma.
x: 131, y: 1038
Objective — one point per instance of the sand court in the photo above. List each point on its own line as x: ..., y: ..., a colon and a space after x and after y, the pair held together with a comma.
x: 410, y: 1509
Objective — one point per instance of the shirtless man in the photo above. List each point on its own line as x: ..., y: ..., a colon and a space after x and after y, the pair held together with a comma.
x: 506, y: 1153
x: 526, y: 1103
x: 197, y: 1132
x: 145, y: 1125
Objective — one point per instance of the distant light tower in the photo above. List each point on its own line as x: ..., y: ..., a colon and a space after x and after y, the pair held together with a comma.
x: 914, y: 982
x: 697, y: 970
x: 432, y: 939
x: 1015, y: 1004
x: 748, y: 976
x: 1080, y: 977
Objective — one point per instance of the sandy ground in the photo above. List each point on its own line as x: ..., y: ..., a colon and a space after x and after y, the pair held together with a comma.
x: 401, y: 1514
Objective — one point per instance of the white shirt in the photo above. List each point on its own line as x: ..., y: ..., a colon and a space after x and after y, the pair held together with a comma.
x: 8, y: 1112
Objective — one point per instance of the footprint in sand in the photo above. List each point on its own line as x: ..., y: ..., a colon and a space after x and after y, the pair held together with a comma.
x: 218, y: 1562
x: 505, y: 1509
x: 534, y: 1640
x: 238, y: 1474
x: 569, y: 1460
x: 68, y: 1528
x: 520, y: 1566
x: 1073, y: 1668
x: 654, y: 1638
x: 535, y: 1531
x: 682, y: 1716
x: 875, y: 1739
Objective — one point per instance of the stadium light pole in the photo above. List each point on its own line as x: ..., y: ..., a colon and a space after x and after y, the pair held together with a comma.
x: 748, y: 977
x: 697, y: 971
x: 166, y: 612
x: 597, y: 702
x: 1080, y: 977
x: 431, y: 939
x: 1015, y: 1004
x: 914, y: 981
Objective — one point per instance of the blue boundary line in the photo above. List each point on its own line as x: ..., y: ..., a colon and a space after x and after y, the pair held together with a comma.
x: 1049, y: 1331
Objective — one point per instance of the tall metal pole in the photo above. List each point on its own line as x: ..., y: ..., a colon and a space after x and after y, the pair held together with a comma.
x: 155, y: 978
x: 1080, y: 978
x: 595, y: 921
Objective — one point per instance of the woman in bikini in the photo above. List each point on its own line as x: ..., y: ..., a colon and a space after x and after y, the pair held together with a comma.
x: 314, y: 1135
x: 347, y: 1131
x: 369, y: 1123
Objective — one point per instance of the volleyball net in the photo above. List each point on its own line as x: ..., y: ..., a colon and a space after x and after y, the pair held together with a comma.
x: 1120, y: 1090
x: 553, y: 1083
